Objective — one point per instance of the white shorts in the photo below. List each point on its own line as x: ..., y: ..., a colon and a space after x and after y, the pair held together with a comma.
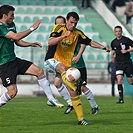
x: 50, y: 65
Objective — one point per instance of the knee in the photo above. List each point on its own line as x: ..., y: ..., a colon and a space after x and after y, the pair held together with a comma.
x: 40, y: 72
x: 12, y: 94
x: 84, y: 88
x: 57, y: 84
x: 60, y: 68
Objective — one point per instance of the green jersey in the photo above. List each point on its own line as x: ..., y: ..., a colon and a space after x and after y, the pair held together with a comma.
x: 81, y: 62
x: 6, y: 45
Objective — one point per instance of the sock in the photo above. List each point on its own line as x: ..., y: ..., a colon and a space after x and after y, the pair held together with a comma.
x: 43, y: 82
x: 65, y: 94
x: 120, y: 90
x: 70, y: 84
x: 90, y: 98
x: 77, y: 105
x: 4, y: 99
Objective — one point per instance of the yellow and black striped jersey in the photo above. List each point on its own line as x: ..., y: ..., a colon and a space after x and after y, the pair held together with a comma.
x: 64, y: 50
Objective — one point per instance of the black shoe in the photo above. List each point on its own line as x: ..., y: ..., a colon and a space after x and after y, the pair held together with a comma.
x: 120, y: 101
x: 95, y: 110
x: 68, y: 109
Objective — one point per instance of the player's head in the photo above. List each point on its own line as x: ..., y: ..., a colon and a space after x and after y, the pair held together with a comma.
x: 60, y: 20
x: 72, y: 19
x: 7, y: 13
x: 118, y: 31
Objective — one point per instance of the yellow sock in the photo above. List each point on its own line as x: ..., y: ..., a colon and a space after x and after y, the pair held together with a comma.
x: 70, y: 84
x: 77, y: 105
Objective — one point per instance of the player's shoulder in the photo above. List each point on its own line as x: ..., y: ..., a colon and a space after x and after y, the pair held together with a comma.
x: 59, y: 26
x: 126, y: 38
x: 79, y: 31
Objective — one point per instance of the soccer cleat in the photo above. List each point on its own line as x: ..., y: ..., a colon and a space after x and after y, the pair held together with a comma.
x: 55, y: 103
x: 83, y: 122
x: 68, y: 109
x: 95, y: 110
x: 120, y: 101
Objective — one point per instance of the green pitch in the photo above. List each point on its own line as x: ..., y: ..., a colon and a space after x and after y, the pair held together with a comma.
x: 32, y: 115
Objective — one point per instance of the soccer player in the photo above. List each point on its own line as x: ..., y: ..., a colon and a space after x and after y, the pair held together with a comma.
x: 10, y: 65
x: 62, y: 44
x: 121, y: 48
x: 77, y: 62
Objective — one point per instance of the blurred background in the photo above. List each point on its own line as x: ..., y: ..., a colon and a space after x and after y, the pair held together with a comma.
x: 97, y: 20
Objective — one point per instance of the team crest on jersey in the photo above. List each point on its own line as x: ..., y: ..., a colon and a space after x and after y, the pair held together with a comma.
x: 66, y: 43
x: 122, y: 46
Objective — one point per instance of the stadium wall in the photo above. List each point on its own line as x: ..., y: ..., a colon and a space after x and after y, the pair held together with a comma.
x: 34, y: 89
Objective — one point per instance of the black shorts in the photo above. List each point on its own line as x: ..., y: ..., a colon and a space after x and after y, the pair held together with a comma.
x: 83, y: 73
x: 10, y: 70
x: 125, y: 67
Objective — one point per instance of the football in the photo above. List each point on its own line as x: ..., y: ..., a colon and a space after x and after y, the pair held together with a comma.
x: 72, y: 74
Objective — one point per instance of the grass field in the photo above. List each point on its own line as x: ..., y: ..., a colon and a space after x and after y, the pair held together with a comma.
x: 32, y: 115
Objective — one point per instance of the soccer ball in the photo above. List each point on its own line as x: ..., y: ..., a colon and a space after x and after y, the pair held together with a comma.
x: 72, y: 74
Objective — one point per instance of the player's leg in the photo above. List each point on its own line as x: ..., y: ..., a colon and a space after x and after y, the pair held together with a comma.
x: 8, y: 74
x: 60, y: 68
x: 119, y: 76
x: 10, y: 94
x: 64, y: 93
x: 120, y: 88
x: 44, y: 83
x: 88, y: 93
x: 76, y: 102
x: 77, y: 105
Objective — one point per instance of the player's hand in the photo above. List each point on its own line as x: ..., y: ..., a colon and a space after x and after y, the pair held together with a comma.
x: 67, y: 34
x: 124, y: 51
x: 36, y: 44
x: 107, y: 49
x: 75, y: 59
x: 36, y: 24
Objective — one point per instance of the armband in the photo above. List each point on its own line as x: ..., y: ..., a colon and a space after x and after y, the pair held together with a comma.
x: 32, y: 29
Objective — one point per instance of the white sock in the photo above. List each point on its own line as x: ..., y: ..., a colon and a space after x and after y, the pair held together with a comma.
x: 65, y: 94
x: 90, y: 98
x: 4, y: 99
x: 44, y: 83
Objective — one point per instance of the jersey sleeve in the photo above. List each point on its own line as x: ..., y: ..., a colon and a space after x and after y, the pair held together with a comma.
x: 112, y: 47
x: 83, y: 39
x: 3, y: 31
x: 57, y: 31
x: 130, y: 42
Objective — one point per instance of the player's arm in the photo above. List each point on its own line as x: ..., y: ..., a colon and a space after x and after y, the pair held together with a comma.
x: 98, y: 45
x: 76, y: 58
x: 54, y: 40
x: 113, y: 54
x: 20, y: 35
x: 127, y: 51
x: 27, y: 44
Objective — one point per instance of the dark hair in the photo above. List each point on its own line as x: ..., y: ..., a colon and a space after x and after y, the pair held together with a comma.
x: 60, y: 17
x: 5, y: 9
x: 72, y: 14
x: 118, y: 27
